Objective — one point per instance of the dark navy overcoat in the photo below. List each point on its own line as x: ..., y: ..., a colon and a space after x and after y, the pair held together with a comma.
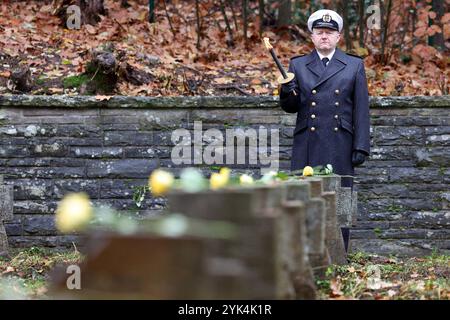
x: 332, y: 106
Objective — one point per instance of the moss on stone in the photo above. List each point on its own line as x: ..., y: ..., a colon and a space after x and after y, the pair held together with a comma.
x: 75, y: 81
x: 40, y: 81
x: 377, y: 232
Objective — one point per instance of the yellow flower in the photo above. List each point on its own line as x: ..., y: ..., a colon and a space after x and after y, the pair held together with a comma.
x: 308, y: 171
x: 245, y: 179
x: 73, y: 213
x: 225, y: 172
x: 217, y: 181
x: 160, y: 182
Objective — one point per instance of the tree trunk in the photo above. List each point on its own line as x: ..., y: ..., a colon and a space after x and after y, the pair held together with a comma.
x: 438, y: 39
x: 151, y: 11
x: 230, y: 41
x: 231, y: 4
x: 90, y: 10
x: 413, y: 24
x: 361, y: 8
x: 348, y: 43
x: 386, y: 34
x: 199, y: 27
x: 245, y: 18
x: 284, y: 13
x: 261, y: 17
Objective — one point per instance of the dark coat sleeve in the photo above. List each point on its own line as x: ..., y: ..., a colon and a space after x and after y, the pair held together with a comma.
x: 290, y: 102
x: 361, y: 120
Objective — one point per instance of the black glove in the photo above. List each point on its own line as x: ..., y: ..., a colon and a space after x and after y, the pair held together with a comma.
x: 288, y: 88
x: 358, y: 158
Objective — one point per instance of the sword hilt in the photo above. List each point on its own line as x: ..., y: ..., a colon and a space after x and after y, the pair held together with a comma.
x: 285, y: 76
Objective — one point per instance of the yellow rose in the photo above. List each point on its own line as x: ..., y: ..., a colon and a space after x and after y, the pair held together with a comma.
x: 245, y: 179
x: 73, y: 213
x: 160, y: 182
x: 308, y: 171
x: 218, y: 180
x: 225, y: 172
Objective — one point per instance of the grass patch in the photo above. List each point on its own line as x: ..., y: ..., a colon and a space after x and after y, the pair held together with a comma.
x: 40, y: 81
x: 25, y: 274
x: 75, y: 81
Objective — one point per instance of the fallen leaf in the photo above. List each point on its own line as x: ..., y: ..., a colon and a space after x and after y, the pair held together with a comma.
x: 90, y: 29
x: 41, y: 291
x: 373, y: 283
x: 391, y: 293
x: 56, y: 90
x: 5, y: 74
x: 9, y: 269
x: 101, y: 98
x: 223, y: 80
x: 53, y: 74
x: 260, y: 89
x: 335, y: 286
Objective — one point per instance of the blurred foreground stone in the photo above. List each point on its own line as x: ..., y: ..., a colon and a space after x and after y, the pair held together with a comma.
x: 282, y: 235
x: 6, y: 214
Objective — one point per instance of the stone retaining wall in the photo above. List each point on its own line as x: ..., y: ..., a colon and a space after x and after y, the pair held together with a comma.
x: 53, y: 145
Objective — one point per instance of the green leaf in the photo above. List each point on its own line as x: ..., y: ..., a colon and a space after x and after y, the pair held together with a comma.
x: 282, y: 175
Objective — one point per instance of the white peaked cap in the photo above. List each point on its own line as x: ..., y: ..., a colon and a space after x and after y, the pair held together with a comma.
x: 321, y: 18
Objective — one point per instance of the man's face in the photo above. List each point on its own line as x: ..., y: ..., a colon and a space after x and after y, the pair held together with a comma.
x: 325, y: 39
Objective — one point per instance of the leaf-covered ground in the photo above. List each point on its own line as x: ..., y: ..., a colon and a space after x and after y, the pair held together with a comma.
x: 30, y: 35
x: 385, y: 278
x: 26, y: 273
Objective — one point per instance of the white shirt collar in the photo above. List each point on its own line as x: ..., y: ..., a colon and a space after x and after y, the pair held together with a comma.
x: 328, y: 56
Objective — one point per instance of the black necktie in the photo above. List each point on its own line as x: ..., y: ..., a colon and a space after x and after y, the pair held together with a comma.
x: 325, y: 60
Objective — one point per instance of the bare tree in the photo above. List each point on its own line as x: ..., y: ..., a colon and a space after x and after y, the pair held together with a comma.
x: 168, y: 19
x: 230, y: 41
x: 90, y: 10
x: 199, y: 25
x: 231, y: 4
x: 345, y: 13
x: 151, y: 11
x: 385, y: 33
x: 261, y: 17
x: 438, y: 39
x: 361, y: 10
x: 284, y: 13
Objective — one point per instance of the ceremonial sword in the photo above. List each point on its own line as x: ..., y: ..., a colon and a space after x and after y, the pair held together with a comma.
x: 285, y: 76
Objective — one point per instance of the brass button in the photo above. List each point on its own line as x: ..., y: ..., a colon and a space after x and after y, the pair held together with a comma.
x: 336, y: 91
x: 313, y: 116
x: 314, y: 92
x: 313, y: 104
x: 336, y: 116
x: 313, y: 129
x: 336, y: 103
x: 336, y: 129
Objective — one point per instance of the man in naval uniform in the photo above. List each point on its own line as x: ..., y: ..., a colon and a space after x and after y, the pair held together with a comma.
x: 329, y: 94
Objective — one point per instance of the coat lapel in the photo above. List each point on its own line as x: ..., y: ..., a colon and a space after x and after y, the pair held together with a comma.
x: 337, y: 63
x: 314, y: 64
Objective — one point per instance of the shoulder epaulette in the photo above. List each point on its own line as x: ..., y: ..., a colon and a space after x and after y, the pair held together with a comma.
x: 354, y: 55
x: 295, y: 57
